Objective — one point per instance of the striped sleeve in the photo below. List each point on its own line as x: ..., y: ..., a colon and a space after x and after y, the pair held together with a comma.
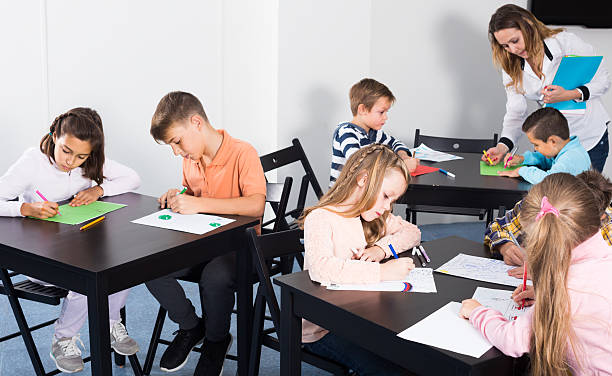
x: 392, y: 142
x: 345, y: 143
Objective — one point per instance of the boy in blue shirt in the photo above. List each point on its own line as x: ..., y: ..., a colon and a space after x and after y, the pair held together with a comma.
x: 555, y: 150
x: 370, y: 101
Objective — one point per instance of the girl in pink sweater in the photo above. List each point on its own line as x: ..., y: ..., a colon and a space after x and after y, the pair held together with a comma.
x: 569, y: 331
x: 346, y: 235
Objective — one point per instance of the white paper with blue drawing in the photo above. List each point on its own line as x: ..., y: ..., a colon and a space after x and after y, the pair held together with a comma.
x: 480, y: 269
x: 501, y: 301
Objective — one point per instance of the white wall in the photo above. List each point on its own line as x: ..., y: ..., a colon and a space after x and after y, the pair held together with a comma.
x: 324, y: 48
x: 267, y: 71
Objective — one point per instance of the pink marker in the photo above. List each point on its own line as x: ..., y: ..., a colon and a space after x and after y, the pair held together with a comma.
x: 45, y: 199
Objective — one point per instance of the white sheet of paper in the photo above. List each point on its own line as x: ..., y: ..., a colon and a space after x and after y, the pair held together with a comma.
x: 480, y: 269
x: 499, y: 300
x: 446, y: 330
x: 421, y: 279
x: 426, y: 153
x: 193, y: 223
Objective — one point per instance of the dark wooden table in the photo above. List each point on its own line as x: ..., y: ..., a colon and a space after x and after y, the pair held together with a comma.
x: 373, y: 319
x: 468, y: 189
x: 115, y: 255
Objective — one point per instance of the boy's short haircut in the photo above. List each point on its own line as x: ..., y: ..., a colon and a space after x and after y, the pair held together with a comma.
x: 547, y: 122
x: 174, y: 106
x: 368, y: 91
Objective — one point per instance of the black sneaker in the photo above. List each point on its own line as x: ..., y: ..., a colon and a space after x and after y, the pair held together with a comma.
x: 213, y: 356
x: 177, y: 353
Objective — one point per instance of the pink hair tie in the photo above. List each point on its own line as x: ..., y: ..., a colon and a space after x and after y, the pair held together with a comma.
x: 546, y: 208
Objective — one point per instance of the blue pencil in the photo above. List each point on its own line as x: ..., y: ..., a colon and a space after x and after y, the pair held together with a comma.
x: 393, y: 251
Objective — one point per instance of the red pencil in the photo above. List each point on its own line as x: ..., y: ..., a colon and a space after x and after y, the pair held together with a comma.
x: 524, y: 283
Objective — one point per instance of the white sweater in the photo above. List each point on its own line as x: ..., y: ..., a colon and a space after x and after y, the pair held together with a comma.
x: 33, y: 171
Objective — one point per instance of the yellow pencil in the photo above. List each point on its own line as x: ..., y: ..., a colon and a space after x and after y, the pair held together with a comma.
x: 92, y: 223
x: 487, y: 155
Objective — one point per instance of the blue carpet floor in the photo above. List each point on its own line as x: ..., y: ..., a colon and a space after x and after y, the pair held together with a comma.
x: 141, y: 313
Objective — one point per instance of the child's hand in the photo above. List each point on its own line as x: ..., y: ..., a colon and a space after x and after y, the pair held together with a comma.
x: 164, y: 198
x: 518, y: 272
x: 555, y: 93
x: 373, y: 254
x: 183, y: 204
x: 40, y: 210
x: 87, y: 196
x: 510, y: 174
x: 495, y: 154
x: 396, y: 269
x: 512, y: 254
x: 467, y: 307
x: 411, y: 163
x: 515, y: 161
x: 529, y: 295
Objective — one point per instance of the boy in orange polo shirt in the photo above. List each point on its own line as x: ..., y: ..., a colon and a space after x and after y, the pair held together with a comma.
x: 222, y: 175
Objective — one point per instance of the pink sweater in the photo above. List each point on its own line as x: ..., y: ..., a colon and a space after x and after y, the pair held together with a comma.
x: 328, y: 239
x: 590, y: 289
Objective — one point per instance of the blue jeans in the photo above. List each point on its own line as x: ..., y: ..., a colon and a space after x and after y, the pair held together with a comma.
x: 356, y: 358
x: 599, y: 153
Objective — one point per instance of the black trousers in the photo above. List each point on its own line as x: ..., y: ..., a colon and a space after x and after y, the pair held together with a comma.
x: 217, y: 282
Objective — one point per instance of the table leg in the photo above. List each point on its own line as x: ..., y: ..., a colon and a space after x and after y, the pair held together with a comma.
x: 290, y: 336
x: 99, y: 329
x: 244, y: 271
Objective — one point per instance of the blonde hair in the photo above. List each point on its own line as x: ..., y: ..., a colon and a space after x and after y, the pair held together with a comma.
x: 550, y: 240
x: 374, y: 160
x: 534, y: 32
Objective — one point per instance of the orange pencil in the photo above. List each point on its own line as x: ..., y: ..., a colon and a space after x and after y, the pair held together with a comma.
x: 92, y: 223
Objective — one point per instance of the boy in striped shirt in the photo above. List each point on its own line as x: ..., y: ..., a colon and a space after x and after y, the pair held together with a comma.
x: 370, y: 101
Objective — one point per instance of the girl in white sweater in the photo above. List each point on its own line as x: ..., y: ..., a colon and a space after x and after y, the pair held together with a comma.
x: 70, y: 164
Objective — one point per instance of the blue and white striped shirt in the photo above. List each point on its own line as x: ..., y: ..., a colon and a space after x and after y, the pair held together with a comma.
x: 348, y: 138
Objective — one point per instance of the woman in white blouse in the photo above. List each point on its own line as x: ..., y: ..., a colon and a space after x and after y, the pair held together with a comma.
x: 529, y: 54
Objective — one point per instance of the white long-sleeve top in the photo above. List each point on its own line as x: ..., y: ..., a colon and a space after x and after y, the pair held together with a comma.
x: 590, y: 126
x: 33, y: 171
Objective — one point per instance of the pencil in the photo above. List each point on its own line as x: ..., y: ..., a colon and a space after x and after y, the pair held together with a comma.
x: 524, y: 282
x: 92, y: 223
x: 424, y: 253
x: 393, y: 251
x: 510, y: 158
x: 420, y: 256
x: 45, y: 199
x: 487, y: 155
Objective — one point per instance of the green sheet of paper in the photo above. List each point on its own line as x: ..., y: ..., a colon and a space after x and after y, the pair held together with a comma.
x: 79, y: 214
x: 487, y: 170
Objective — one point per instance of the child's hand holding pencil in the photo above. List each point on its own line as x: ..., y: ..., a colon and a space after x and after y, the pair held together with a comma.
x: 513, y: 160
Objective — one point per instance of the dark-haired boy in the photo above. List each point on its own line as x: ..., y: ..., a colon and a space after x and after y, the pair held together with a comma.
x: 222, y: 175
x: 555, y: 150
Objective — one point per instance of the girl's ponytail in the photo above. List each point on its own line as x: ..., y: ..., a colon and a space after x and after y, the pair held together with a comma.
x: 558, y: 214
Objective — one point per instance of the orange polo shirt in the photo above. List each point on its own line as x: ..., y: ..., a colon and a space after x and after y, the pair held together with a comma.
x: 235, y: 171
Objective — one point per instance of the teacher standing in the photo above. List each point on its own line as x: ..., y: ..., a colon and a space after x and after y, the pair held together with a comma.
x: 529, y: 54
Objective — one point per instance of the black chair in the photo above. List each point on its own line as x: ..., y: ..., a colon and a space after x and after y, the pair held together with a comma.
x: 277, y: 196
x: 288, y: 157
x: 51, y: 295
x: 457, y: 145
x: 265, y: 248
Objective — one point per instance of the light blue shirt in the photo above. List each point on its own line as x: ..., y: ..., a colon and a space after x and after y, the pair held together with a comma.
x: 573, y: 159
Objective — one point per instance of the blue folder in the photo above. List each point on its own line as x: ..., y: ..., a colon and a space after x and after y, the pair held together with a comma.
x: 574, y: 71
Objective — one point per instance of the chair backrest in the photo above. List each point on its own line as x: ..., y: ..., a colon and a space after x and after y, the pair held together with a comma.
x: 277, y: 195
x: 458, y: 145
x: 266, y: 247
x: 287, y: 156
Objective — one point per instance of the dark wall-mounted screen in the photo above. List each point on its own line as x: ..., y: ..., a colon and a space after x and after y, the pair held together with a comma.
x: 589, y: 13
